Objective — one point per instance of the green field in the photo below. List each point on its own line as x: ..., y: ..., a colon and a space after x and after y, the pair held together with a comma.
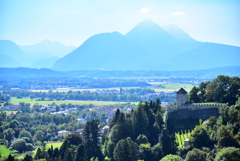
x: 5, y: 152
x: 7, y: 112
x: 171, y: 87
x: 54, y: 144
x: 90, y: 89
x: 75, y: 102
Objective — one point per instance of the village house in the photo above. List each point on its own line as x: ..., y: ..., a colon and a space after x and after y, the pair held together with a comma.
x: 62, y: 132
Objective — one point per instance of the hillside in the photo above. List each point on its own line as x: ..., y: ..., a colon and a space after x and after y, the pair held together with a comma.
x: 148, y: 47
x: 47, y: 48
x: 11, y: 54
x: 106, y: 51
x: 7, y: 61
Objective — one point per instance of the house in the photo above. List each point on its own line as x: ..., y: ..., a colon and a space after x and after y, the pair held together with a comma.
x: 13, y: 107
x: 62, y: 132
x: 81, y: 120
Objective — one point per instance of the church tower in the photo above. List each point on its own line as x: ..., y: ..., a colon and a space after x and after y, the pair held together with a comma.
x: 182, y: 97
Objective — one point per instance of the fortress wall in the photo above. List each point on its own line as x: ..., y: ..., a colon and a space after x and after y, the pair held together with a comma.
x: 193, y: 111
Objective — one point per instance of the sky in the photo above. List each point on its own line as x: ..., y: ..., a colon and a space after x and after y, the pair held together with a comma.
x: 71, y: 22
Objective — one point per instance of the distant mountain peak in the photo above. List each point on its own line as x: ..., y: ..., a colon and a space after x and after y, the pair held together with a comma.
x: 147, y: 24
x: 178, y: 33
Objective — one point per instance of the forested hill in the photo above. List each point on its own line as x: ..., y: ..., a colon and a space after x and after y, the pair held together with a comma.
x: 44, y: 72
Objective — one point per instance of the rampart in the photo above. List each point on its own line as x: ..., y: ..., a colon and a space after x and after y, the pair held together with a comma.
x: 195, y: 111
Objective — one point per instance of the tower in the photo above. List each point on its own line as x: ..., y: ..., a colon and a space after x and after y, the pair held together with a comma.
x: 182, y: 97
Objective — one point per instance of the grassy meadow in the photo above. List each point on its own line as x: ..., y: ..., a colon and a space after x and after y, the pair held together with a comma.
x: 5, y: 152
x: 74, y: 102
x: 172, y: 87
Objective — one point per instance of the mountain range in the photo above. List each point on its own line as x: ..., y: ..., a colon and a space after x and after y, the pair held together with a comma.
x: 40, y: 55
x: 148, y: 47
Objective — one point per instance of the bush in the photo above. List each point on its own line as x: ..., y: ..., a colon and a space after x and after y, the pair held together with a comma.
x: 171, y: 157
x: 196, y: 155
x: 21, y: 146
x: 230, y: 153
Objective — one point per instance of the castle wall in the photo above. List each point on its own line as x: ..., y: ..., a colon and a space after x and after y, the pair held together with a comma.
x: 193, y: 111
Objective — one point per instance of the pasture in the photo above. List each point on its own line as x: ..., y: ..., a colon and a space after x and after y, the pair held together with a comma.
x: 5, y: 151
x: 172, y: 87
x: 74, y: 102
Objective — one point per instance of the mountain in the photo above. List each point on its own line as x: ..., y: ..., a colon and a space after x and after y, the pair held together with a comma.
x: 106, y: 51
x: 148, y: 47
x: 11, y: 53
x: 207, y: 55
x: 178, y: 33
x: 47, y: 48
x: 153, y: 38
x: 8, y: 61
x: 44, y: 62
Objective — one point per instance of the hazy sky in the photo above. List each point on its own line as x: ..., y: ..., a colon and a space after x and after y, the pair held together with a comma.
x: 71, y: 22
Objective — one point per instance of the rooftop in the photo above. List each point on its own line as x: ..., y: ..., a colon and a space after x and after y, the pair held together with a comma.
x: 181, y: 91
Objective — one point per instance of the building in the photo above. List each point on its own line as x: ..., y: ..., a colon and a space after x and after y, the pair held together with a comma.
x: 60, y: 133
x: 182, y: 97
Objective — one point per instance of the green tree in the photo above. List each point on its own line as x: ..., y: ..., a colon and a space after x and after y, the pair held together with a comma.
x: 156, y: 152
x: 68, y: 156
x: 8, y: 134
x: 140, y: 121
x: 199, y: 138
x: 74, y: 138
x: 81, y: 154
x: 28, y: 158
x: 142, y: 139
x: 226, y: 138
x: 19, y: 145
x: 64, y: 148
x: 10, y: 158
x: 171, y: 157
x: 39, y: 154
x: 39, y: 136
x: 114, y: 119
x: 195, y: 155
x: 193, y: 95
x: 126, y: 150
x: 202, y: 90
x: 168, y: 143
x: 25, y: 133
x: 228, y: 154
x: 223, y: 89
x: 110, y: 149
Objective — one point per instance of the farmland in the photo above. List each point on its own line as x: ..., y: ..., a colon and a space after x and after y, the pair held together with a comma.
x: 5, y: 152
x: 74, y: 102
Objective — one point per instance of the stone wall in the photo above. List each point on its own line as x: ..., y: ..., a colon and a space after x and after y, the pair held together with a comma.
x: 197, y: 111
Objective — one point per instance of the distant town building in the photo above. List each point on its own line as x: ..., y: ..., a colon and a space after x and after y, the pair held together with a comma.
x: 60, y: 133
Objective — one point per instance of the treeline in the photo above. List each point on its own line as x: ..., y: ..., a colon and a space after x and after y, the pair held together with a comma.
x: 223, y: 89
x: 43, y: 72
x: 53, y: 83
x: 124, y: 95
